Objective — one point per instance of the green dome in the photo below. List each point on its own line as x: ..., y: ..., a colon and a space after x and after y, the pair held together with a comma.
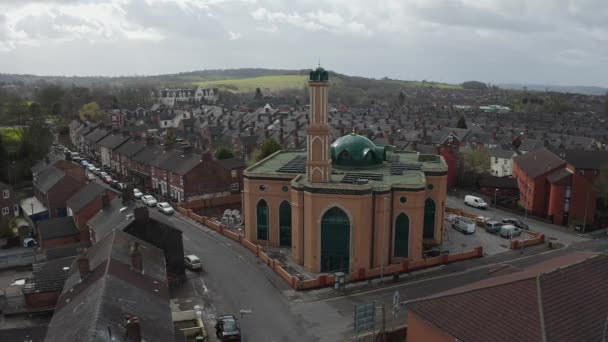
x: 356, y: 150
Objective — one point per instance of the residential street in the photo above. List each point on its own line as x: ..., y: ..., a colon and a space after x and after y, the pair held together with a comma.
x: 560, y: 233
x: 236, y: 280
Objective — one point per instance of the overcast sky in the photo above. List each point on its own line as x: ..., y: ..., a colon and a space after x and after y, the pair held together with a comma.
x: 524, y: 41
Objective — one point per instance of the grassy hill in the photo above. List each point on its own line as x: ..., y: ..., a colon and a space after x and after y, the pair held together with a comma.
x: 249, y: 84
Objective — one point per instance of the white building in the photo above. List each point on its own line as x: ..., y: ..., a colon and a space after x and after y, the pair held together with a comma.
x: 170, y: 97
x: 501, y: 162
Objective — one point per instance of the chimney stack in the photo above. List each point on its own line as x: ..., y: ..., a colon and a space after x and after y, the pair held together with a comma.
x: 141, y: 215
x: 136, y: 258
x: 83, y: 263
x: 105, y: 200
x: 133, y: 329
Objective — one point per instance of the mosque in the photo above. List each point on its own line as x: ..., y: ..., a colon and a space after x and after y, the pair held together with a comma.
x: 347, y: 205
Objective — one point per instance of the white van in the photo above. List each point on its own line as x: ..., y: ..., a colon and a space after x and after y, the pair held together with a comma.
x: 464, y: 225
x: 475, y: 202
x: 509, y: 231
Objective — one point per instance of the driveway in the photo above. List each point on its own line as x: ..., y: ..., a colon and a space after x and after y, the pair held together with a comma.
x: 551, y: 231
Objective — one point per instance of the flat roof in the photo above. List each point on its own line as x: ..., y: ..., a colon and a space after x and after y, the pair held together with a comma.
x: 32, y: 206
x: 269, y: 167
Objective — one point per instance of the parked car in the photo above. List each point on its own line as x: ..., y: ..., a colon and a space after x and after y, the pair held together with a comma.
x: 475, y: 202
x: 149, y: 200
x: 509, y: 231
x: 464, y: 225
x: 102, y: 174
x: 97, y: 171
x: 84, y: 163
x: 137, y: 194
x: 516, y: 222
x: 227, y: 328
x: 493, y: 227
x: 192, y: 262
x: 107, y: 179
x: 29, y: 242
x: 165, y: 208
x: 91, y: 176
x: 91, y: 167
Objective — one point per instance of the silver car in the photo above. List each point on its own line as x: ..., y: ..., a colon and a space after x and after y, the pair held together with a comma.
x: 165, y: 208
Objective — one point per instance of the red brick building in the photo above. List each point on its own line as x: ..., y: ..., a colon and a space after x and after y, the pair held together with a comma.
x: 8, y: 206
x: 56, y: 183
x: 531, y: 171
x: 86, y: 203
x: 560, y: 185
x: 57, y: 232
x: 546, y: 302
x: 449, y: 141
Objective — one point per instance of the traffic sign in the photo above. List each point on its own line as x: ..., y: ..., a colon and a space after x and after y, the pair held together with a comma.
x: 365, y: 317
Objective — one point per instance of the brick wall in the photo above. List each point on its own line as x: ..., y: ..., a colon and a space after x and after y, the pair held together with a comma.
x: 85, y: 214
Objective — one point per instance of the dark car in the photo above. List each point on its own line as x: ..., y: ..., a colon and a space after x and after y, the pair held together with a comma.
x: 516, y: 222
x: 227, y: 328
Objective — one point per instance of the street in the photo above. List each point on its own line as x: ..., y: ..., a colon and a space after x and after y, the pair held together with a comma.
x: 236, y: 280
x: 551, y: 231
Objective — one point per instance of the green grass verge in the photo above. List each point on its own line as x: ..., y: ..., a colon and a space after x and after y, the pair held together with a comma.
x: 11, y: 136
x: 246, y: 85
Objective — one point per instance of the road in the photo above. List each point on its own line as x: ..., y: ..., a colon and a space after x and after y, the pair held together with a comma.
x: 560, y: 233
x: 236, y: 280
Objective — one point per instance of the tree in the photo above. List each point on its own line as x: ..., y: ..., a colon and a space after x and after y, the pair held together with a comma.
x: 401, y: 98
x: 6, y: 227
x: 268, y: 147
x: 477, y: 160
x: 474, y: 85
x: 223, y: 152
x: 462, y: 123
x: 50, y: 98
x: 91, y: 111
x: 258, y: 94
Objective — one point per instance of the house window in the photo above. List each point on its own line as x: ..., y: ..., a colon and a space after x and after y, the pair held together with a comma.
x: 234, y: 186
x: 16, y: 209
x: 5, y: 211
x: 495, y: 160
x: 233, y: 173
x: 6, y: 193
x: 505, y: 162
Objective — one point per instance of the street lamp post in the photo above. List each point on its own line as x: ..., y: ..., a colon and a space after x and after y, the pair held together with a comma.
x: 382, y: 243
x: 495, y: 196
x: 244, y: 312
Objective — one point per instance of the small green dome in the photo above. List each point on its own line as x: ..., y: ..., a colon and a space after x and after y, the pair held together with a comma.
x: 319, y: 75
x: 356, y: 150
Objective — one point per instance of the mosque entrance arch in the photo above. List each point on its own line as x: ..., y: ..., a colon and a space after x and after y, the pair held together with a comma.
x: 335, y: 241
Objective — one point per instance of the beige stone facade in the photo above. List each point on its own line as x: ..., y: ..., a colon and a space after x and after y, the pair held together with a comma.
x: 346, y: 207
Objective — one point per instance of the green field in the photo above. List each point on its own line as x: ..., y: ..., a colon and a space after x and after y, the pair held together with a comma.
x: 419, y: 84
x: 246, y: 85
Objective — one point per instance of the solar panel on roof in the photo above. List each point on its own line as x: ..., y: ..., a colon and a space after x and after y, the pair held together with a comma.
x: 296, y: 165
x: 398, y: 168
x: 355, y: 177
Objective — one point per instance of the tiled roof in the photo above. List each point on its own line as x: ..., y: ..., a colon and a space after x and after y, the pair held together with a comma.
x: 178, y: 162
x: 94, y: 308
x: 57, y: 227
x: 96, y: 135
x: 538, y: 162
x: 563, y: 299
x: 559, y: 175
x: 500, y: 153
x: 111, y: 218
x: 148, y: 155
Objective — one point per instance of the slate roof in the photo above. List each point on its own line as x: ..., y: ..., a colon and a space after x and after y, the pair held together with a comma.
x: 96, y: 135
x: 47, y: 178
x: 148, y: 155
x: 63, y: 251
x: 177, y: 162
x: 232, y: 163
x: 111, y: 218
x: 537, y: 162
x: 112, y: 141
x: 562, y: 174
x: 438, y: 136
x: 530, y: 144
x: 74, y: 125
x: 43, y: 164
x: 57, y: 227
x: 48, y: 276
x: 580, y: 159
x: 500, y: 153
x: 563, y: 298
x: 112, y: 291
x: 130, y: 148
x: 84, y: 196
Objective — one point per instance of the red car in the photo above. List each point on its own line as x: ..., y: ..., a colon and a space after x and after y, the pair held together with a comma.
x: 107, y: 179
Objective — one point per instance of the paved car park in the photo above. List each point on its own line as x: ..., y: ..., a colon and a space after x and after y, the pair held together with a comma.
x: 456, y: 241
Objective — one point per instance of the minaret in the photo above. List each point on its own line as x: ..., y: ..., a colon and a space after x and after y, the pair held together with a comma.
x: 318, y: 159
